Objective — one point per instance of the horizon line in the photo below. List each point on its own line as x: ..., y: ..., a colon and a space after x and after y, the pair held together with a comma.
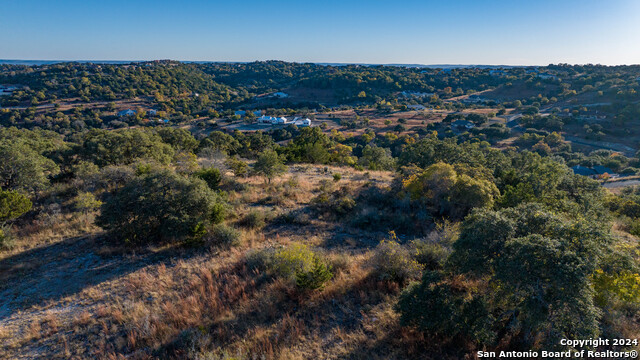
x: 435, y: 65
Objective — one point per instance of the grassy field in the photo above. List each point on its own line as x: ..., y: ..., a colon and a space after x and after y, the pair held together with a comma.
x: 68, y: 293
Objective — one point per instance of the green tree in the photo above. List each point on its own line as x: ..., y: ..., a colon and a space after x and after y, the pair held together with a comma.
x: 376, y: 158
x: 269, y: 165
x: 22, y: 168
x: 124, y: 147
x: 211, y: 176
x: 179, y: 139
x: 12, y: 206
x: 160, y: 206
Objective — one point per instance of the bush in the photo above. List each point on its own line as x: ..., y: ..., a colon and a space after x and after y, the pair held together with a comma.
x: 222, y: 234
x: 160, y: 206
x: 392, y: 261
x: 6, y: 238
x: 299, y: 263
x: 211, y: 176
x: 260, y: 259
x: 440, y: 309
x: 316, y: 277
x: 253, y: 220
x: 293, y: 259
x: 337, y: 177
x: 431, y: 255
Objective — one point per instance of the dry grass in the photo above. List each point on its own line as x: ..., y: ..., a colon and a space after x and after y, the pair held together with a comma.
x: 209, y: 303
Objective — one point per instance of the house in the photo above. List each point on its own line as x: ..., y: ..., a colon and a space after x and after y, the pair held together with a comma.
x: 258, y: 113
x: 598, y: 171
x: 127, y: 112
x: 280, y: 120
x: 416, y: 94
x: 416, y: 107
x: 280, y: 95
x: 546, y: 76
x: 582, y: 170
x: 601, y: 170
x: 303, y: 123
x: 240, y: 113
x: 7, y: 90
x: 463, y: 125
x: 592, y: 117
x: 270, y: 120
x: 267, y: 120
x: 152, y: 112
x: 473, y: 99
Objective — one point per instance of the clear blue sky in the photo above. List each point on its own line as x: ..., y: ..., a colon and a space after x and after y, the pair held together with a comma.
x: 511, y: 32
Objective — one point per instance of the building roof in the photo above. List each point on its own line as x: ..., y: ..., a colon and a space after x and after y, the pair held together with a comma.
x: 582, y: 170
x: 599, y: 169
x: 463, y: 123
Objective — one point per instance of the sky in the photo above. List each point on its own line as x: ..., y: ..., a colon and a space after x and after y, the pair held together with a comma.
x: 489, y: 32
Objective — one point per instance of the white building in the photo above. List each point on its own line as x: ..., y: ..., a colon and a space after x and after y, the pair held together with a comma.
x: 264, y: 119
x: 127, y: 112
x: 416, y: 94
x: 302, y: 123
x: 547, y: 76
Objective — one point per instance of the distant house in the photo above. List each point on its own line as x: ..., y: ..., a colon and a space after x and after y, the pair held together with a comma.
x: 547, y: 76
x: 258, y: 113
x: 7, y: 90
x: 415, y: 94
x: 270, y: 120
x: 463, y: 125
x: 152, y: 112
x: 127, y: 112
x: 280, y: 95
x: 582, y: 170
x: 302, y: 122
x: 240, y: 113
x: 592, y: 116
x: 474, y: 99
x: 601, y: 170
x: 267, y: 120
x: 416, y: 107
x: 598, y: 171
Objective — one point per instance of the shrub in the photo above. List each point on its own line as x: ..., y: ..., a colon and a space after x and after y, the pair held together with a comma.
x: 316, y: 277
x: 293, y: 259
x: 253, y: 220
x: 12, y: 205
x: 430, y: 255
x: 211, y: 176
x: 392, y: 261
x: 261, y: 259
x: 437, y: 308
x: 6, y: 238
x: 222, y: 234
x: 299, y: 263
x: 160, y: 206
x: 337, y: 177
